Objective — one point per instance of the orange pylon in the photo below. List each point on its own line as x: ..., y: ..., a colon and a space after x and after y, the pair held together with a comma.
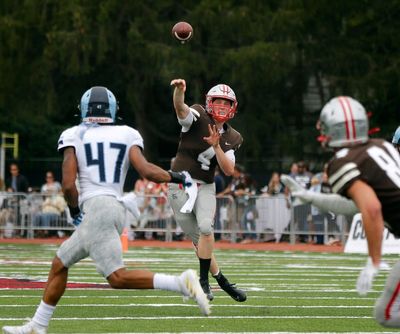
x: 124, y: 239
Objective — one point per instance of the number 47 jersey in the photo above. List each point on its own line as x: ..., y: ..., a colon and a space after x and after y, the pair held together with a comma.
x: 102, y: 152
x: 376, y: 163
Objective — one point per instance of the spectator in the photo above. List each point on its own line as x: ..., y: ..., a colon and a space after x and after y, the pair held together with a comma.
x: 236, y: 191
x: 294, y: 169
x: 301, y: 212
x: 317, y: 216
x: 51, y: 186
x: 248, y: 218
x: 17, y: 182
x: 52, y: 208
x: 274, y: 187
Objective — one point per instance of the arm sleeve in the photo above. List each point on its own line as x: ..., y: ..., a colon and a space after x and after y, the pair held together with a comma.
x: 187, y: 122
x: 334, y: 203
x: 230, y: 154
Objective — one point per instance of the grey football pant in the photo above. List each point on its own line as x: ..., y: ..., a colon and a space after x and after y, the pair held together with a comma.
x: 98, y: 236
x: 201, y: 219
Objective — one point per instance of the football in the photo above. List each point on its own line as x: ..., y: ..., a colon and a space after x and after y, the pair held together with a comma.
x: 182, y: 31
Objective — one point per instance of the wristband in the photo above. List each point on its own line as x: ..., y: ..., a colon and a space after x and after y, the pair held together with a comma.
x: 74, y: 211
x: 176, y: 177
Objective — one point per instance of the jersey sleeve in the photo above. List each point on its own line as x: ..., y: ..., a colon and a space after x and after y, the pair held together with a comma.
x: 134, y: 138
x: 342, y: 173
x: 67, y: 138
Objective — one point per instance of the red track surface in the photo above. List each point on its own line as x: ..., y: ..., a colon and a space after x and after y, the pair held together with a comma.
x: 260, y: 246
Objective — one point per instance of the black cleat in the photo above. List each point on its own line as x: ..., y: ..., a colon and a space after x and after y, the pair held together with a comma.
x: 207, y: 289
x: 230, y: 289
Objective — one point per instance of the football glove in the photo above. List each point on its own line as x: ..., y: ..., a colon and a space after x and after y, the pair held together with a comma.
x: 78, y: 219
x: 366, y: 277
x: 181, y: 177
x: 76, y: 215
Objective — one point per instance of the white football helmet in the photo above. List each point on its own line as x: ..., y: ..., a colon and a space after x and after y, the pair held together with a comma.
x: 343, y: 122
x: 220, y: 112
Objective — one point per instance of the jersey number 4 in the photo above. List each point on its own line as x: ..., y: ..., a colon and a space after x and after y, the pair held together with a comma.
x: 100, y: 161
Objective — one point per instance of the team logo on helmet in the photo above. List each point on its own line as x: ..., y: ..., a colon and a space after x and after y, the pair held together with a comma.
x: 98, y: 105
x: 343, y: 122
x: 221, y: 112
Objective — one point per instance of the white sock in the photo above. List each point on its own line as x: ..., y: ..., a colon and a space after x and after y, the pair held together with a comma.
x: 43, y: 314
x: 166, y: 282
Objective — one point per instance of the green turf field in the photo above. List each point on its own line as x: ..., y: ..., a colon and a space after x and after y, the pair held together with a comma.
x: 287, y: 292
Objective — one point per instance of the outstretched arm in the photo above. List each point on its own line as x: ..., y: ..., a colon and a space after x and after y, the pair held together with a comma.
x: 326, y: 202
x: 181, y: 108
x: 153, y: 172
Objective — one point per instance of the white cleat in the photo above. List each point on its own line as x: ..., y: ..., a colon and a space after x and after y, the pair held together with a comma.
x: 29, y: 328
x: 191, y: 288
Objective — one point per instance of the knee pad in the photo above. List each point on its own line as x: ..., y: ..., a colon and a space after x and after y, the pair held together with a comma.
x: 206, y: 227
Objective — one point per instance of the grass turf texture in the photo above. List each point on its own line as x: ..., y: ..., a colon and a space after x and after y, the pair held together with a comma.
x: 287, y: 292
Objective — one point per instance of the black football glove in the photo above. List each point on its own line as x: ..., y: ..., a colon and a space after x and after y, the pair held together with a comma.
x: 76, y: 215
x: 181, y: 177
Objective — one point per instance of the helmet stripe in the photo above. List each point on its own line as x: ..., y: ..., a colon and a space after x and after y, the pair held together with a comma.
x: 345, y: 118
x: 353, y: 125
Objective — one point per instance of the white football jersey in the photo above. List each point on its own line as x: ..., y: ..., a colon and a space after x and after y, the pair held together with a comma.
x: 102, y: 152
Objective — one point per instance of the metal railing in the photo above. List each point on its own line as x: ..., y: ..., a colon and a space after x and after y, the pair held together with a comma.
x: 245, y: 219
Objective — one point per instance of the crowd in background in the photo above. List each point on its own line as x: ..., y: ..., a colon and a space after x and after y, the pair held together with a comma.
x: 240, y: 189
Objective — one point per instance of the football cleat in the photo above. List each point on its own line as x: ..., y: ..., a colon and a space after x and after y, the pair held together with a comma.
x: 207, y: 289
x: 29, y: 328
x: 230, y: 289
x: 191, y: 288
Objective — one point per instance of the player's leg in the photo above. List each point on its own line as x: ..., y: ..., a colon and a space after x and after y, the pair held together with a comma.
x: 188, y: 222
x: 387, y: 305
x: 204, y: 209
x: 55, y: 287
x: 107, y: 216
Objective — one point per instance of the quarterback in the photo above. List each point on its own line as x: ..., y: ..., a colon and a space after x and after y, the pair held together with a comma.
x: 99, y: 152
x: 206, y: 141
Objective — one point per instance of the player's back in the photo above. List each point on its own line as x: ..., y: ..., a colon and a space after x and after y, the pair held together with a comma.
x: 377, y: 163
x: 103, y: 157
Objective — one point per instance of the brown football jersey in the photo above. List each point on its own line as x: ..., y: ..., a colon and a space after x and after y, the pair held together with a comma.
x: 195, y: 155
x: 377, y: 163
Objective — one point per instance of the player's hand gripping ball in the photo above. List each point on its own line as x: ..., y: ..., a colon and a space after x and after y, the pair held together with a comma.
x: 182, y: 31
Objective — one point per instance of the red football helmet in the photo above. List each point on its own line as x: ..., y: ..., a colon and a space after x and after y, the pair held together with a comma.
x: 221, y: 112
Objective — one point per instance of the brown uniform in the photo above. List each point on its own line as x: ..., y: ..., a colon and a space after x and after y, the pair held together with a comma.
x: 376, y: 163
x: 195, y: 155
x: 198, y: 158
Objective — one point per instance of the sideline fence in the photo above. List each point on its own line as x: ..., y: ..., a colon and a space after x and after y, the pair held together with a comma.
x: 247, y: 219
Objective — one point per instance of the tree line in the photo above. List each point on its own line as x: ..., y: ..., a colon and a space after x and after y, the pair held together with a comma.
x: 283, y: 58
